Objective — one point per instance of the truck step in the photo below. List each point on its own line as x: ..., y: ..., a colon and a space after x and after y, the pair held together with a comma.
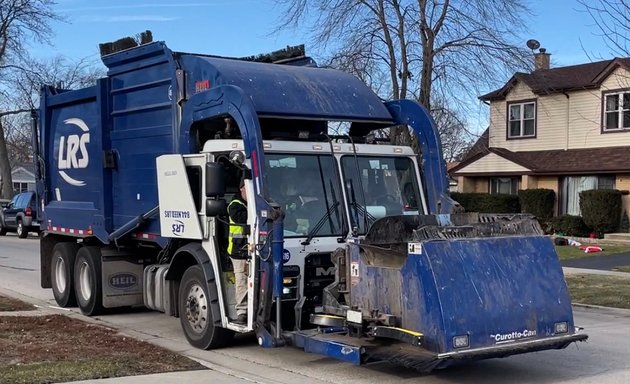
x: 324, y: 320
x: 400, y: 334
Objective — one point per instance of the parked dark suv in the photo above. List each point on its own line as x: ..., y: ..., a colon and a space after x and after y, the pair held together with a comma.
x: 20, y: 215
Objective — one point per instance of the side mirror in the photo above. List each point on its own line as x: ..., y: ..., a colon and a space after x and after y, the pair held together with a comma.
x: 216, y: 207
x: 215, y: 180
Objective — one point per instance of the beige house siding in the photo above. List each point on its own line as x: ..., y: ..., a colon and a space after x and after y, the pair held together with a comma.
x: 546, y: 182
x: 493, y: 163
x: 586, y: 115
x: 550, y: 182
x: 465, y: 184
x: 623, y: 184
x: 551, y: 122
x: 580, y: 113
x: 472, y: 184
x: 482, y: 185
x: 620, y: 78
x: 498, y: 114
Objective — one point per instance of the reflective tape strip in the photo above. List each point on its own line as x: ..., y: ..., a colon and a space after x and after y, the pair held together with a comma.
x: 71, y: 231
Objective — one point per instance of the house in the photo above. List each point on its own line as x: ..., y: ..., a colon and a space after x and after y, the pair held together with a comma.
x: 23, y: 176
x: 565, y: 128
x: 452, y: 182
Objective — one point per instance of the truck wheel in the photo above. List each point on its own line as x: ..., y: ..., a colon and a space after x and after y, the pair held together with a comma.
x: 62, y: 273
x: 195, y: 314
x: 21, y: 231
x: 87, y: 281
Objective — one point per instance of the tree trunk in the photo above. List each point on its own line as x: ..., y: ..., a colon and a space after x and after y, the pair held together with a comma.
x: 6, y: 186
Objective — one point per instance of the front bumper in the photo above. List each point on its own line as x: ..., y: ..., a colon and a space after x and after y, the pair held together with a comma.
x: 517, y: 347
x: 360, y: 351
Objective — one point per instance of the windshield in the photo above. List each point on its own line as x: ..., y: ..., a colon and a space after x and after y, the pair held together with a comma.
x: 379, y: 186
x: 308, y: 192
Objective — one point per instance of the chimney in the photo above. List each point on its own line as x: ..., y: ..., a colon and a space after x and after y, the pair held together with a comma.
x: 541, y: 59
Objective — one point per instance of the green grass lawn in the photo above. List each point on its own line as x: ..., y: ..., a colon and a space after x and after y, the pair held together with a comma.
x: 10, y: 304
x: 607, y: 291
x: 569, y: 252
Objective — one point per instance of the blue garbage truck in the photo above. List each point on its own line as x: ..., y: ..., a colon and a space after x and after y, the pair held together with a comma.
x: 354, y: 248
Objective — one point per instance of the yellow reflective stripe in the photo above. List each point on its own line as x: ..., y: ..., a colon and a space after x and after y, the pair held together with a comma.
x: 412, y: 333
x: 235, y: 231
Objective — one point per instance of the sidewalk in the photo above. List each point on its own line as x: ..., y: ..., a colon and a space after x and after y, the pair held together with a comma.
x: 188, y: 377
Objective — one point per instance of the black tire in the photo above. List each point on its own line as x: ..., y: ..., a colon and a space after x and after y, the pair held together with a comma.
x: 21, y: 230
x: 88, y: 285
x: 195, y: 313
x: 3, y: 230
x: 62, y: 273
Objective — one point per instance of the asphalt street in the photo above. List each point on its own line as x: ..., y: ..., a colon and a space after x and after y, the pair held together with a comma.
x: 600, y: 262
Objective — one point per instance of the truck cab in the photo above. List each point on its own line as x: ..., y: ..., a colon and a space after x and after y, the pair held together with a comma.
x: 328, y: 192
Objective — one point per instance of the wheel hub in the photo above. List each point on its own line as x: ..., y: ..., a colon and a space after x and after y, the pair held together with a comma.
x: 60, y: 274
x: 197, y: 308
x: 85, y: 281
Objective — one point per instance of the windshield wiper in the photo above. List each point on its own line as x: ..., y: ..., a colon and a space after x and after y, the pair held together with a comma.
x: 369, y: 218
x: 320, y: 223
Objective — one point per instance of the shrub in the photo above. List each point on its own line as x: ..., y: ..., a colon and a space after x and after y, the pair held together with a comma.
x: 487, y: 203
x: 601, y: 209
x: 568, y: 225
x: 625, y: 223
x: 538, y: 202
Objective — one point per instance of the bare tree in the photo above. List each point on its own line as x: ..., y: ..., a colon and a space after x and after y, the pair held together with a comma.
x: 452, y: 50
x: 20, y: 95
x: 456, y: 140
x: 612, y: 18
x: 21, y: 22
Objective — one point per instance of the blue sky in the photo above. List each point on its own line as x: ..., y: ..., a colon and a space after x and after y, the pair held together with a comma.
x: 243, y: 27
x: 221, y: 27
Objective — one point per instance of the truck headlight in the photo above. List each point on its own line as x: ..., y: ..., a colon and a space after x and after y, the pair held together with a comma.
x: 561, y: 327
x: 461, y: 341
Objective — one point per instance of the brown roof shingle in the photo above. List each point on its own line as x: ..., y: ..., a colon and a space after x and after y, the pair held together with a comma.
x: 561, y: 79
x: 564, y: 162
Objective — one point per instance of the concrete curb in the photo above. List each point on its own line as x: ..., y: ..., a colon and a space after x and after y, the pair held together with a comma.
x: 599, y: 308
x: 585, y: 271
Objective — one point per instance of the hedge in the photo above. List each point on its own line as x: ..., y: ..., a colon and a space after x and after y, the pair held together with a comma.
x: 487, y: 203
x: 601, y: 209
x: 539, y: 202
x: 568, y: 225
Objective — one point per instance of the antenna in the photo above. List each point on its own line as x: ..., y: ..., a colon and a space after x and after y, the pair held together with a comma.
x: 533, y: 44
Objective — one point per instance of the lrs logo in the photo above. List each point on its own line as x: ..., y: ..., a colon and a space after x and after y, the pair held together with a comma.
x: 178, y: 228
x: 73, y: 152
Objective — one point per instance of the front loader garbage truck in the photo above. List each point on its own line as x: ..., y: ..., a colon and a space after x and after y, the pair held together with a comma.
x: 355, y: 249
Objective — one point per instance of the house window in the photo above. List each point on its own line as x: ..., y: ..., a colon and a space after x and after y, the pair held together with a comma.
x: 522, y: 120
x: 20, y: 187
x: 504, y: 185
x: 573, y: 185
x: 616, y: 111
x: 606, y: 182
